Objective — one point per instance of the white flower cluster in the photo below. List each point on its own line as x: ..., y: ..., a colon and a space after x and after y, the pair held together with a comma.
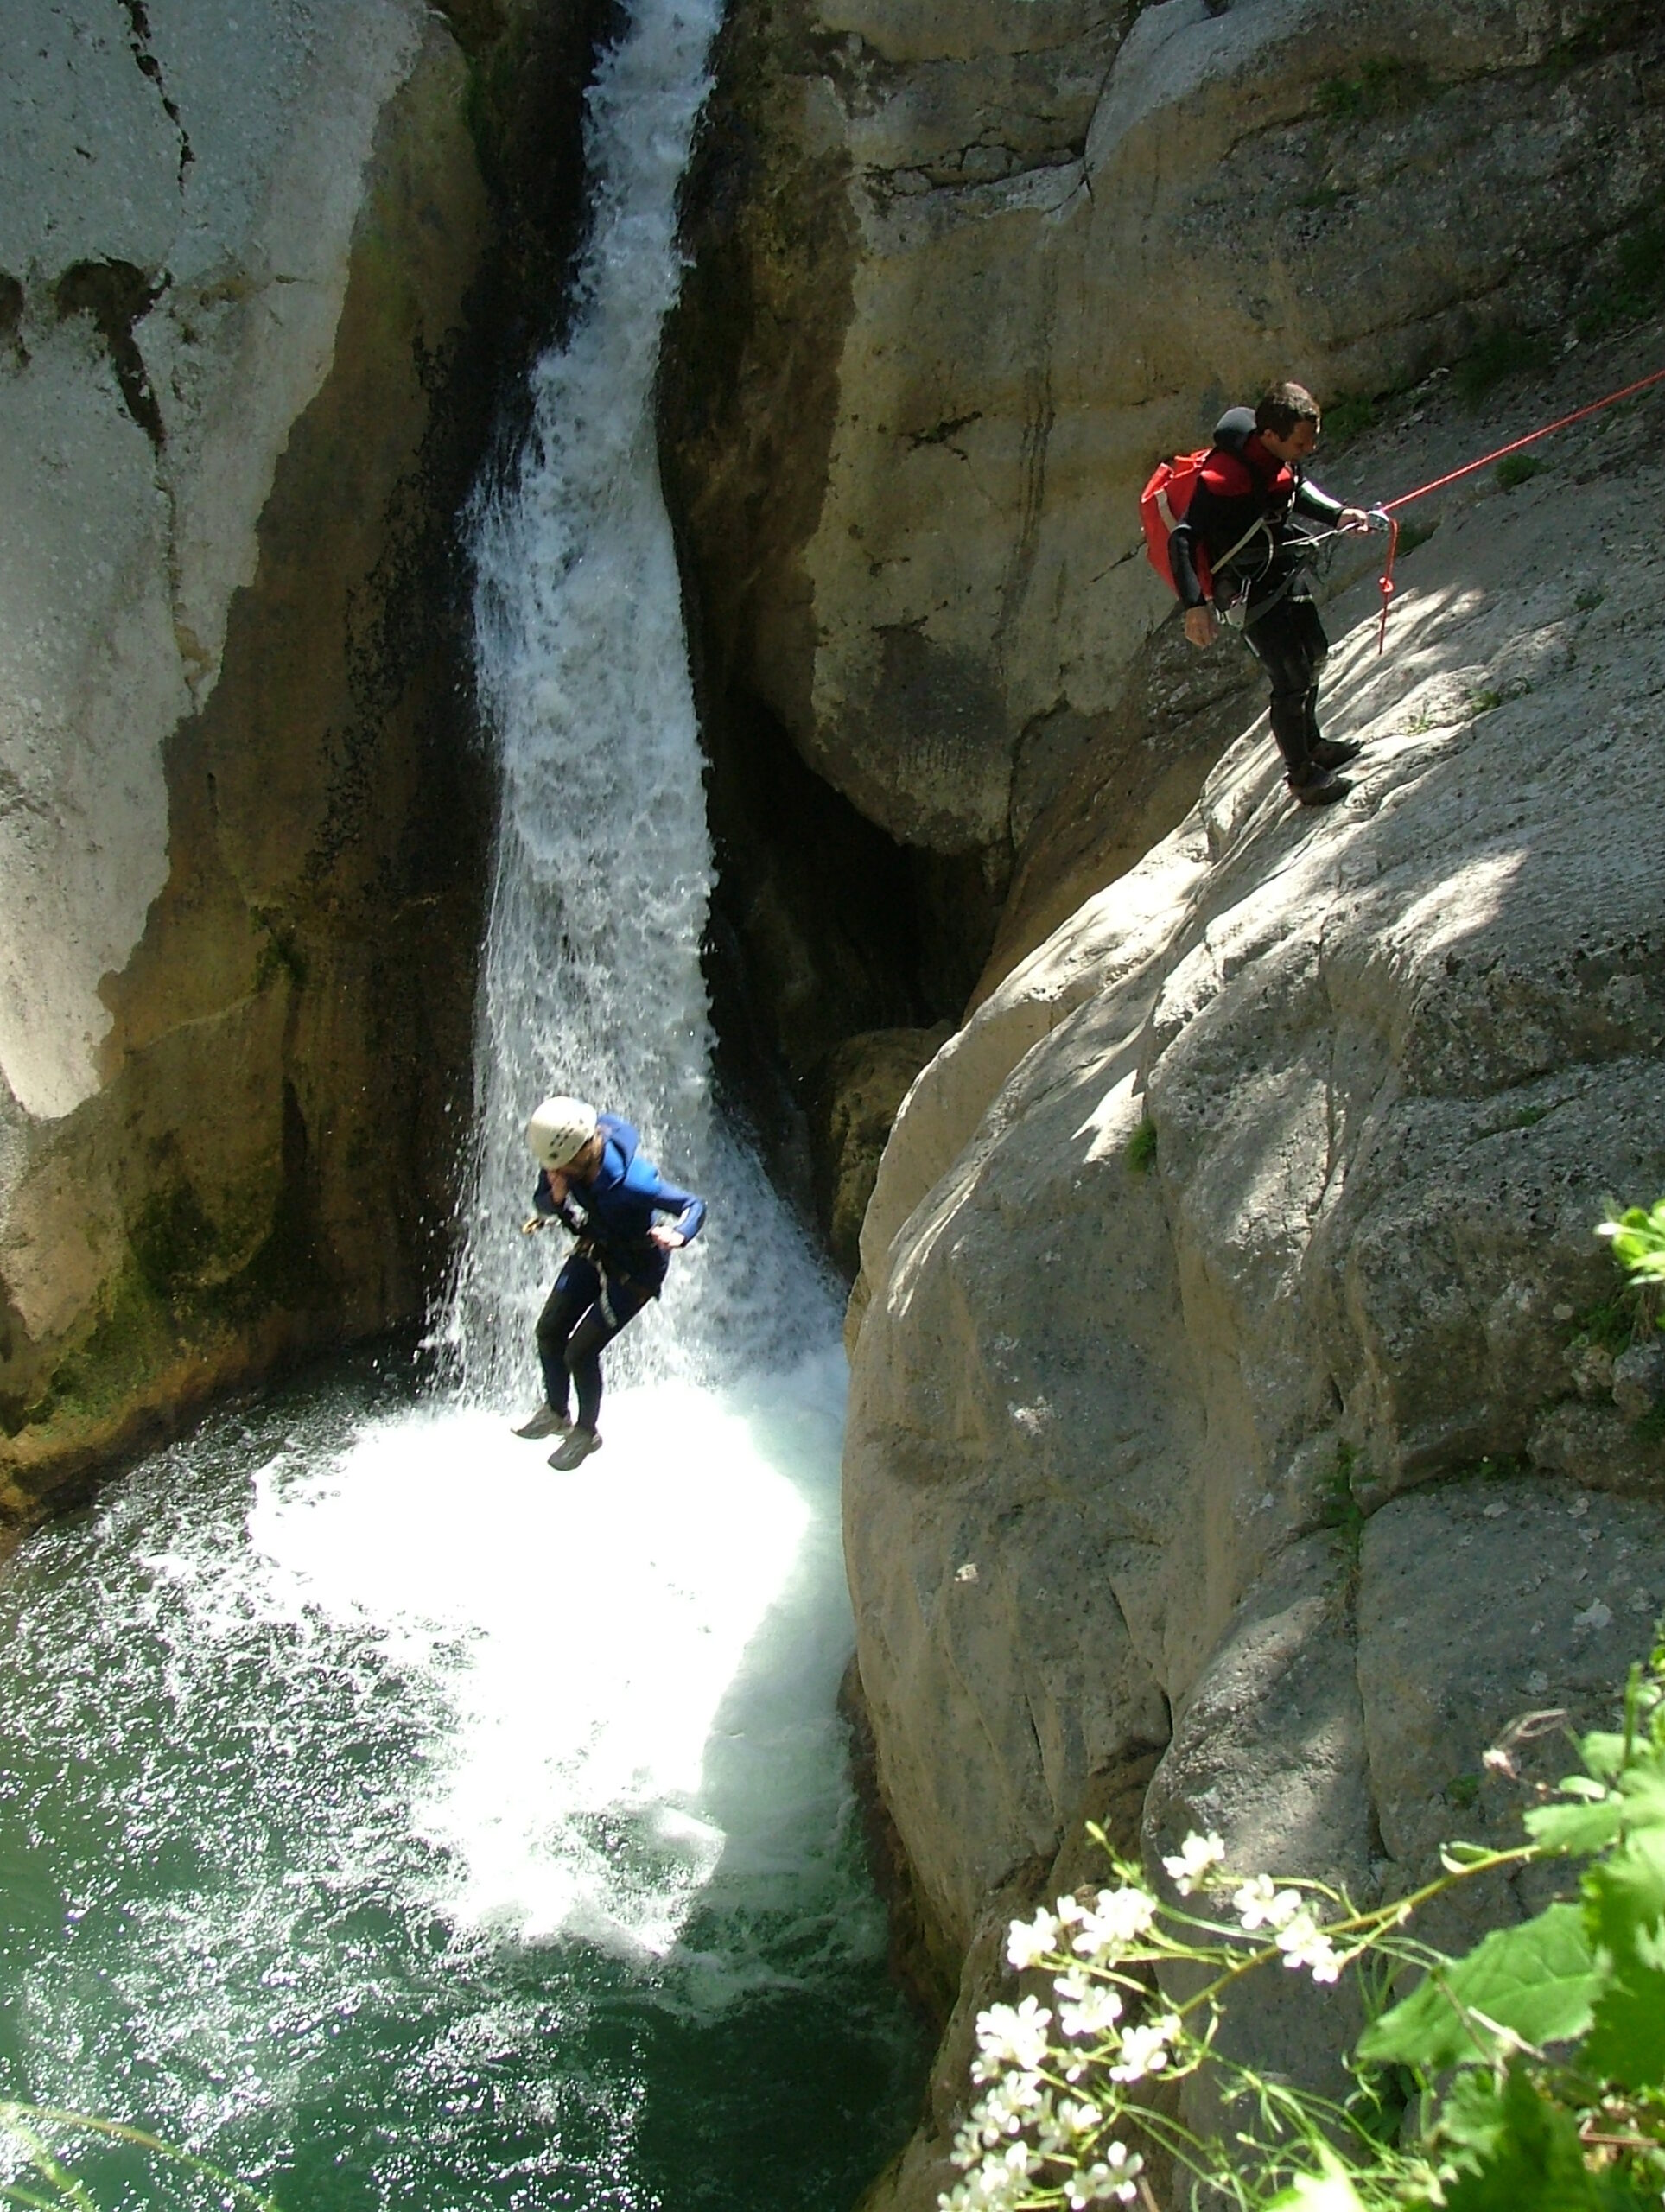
x: 1292, y: 1924
x: 1188, y: 1867
x: 1021, y: 2128
x: 1028, y: 2121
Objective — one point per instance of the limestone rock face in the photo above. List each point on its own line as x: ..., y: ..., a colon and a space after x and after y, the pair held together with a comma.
x: 177, y: 234
x: 1222, y: 1392
x: 964, y: 273
x: 239, y: 827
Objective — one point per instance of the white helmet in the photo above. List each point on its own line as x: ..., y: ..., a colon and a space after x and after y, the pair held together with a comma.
x: 559, y: 1130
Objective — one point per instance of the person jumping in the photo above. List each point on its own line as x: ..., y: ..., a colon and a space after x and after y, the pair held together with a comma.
x: 1251, y: 486
x: 593, y: 1179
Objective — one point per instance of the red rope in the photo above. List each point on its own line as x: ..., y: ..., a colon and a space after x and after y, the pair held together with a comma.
x: 1385, y: 582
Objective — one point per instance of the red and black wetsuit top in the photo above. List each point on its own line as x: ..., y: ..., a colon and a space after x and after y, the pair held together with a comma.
x: 1245, y: 493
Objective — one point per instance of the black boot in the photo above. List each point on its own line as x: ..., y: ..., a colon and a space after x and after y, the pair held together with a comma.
x: 1325, y: 751
x: 1312, y: 783
x: 1317, y: 786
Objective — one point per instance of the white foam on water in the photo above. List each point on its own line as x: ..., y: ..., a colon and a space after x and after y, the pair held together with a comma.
x: 621, y: 1748
x: 638, y: 1657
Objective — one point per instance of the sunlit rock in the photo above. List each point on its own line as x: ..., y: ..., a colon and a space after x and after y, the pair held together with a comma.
x: 1225, y: 1286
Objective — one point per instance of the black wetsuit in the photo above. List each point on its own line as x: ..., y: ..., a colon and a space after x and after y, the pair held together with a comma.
x: 616, y: 1268
x: 1240, y: 517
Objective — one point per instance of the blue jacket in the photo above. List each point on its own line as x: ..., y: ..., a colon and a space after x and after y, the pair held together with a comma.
x: 615, y: 1211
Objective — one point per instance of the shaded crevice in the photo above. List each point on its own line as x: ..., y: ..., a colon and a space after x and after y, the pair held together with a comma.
x: 944, y: 433
x: 823, y: 929
x: 138, y: 37
x: 117, y: 297
x: 12, y: 319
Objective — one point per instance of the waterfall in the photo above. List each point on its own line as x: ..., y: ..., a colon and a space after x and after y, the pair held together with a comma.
x: 591, y: 980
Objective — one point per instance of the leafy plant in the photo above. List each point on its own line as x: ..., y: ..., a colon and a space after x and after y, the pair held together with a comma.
x: 1387, y: 85
x: 1638, y: 1235
x: 1517, y: 468
x: 1609, y: 1325
x: 1341, y: 1508
x: 1140, y: 1152
x: 1537, y: 2058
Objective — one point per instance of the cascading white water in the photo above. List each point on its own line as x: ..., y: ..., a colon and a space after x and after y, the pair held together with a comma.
x: 591, y: 980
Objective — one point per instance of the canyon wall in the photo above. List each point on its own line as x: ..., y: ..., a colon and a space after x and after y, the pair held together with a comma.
x: 1235, y: 1435
x: 1241, y: 1434
x: 251, y: 308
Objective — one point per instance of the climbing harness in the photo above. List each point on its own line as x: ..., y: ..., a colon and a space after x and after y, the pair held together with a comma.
x: 1385, y: 582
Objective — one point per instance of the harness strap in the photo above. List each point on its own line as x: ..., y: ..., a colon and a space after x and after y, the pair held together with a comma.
x: 1259, y: 524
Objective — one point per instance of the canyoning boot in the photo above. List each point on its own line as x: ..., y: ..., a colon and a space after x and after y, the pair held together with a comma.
x: 1334, y: 752
x: 579, y: 1443
x: 546, y: 1421
x: 1316, y: 787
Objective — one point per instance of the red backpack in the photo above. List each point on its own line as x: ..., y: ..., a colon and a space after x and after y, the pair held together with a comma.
x: 1162, y: 503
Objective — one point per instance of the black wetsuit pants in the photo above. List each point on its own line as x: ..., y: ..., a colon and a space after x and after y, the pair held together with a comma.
x: 1287, y: 638
x: 583, y: 1315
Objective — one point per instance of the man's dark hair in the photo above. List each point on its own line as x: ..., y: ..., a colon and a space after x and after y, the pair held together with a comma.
x: 1283, y: 406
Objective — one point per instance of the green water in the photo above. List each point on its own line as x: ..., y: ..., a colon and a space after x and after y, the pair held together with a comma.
x: 394, y: 1825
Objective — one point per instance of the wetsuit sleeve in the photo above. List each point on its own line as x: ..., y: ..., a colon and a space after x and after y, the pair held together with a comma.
x: 1182, y: 561
x: 689, y: 1210
x: 1312, y: 499
x: 553, y: 1208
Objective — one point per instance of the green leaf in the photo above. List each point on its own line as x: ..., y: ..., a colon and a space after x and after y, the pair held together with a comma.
x: 1532, y: 2161
x: 1335, y: 2193
x: 1626, y: 2043
x: 1624, y: 1915
x: 1464, y: 1855
x: 1577, y: 1828
x: 1472, y: 2118
x: 1602, y: 1752
x: 1539, y: 1980
x: 1638, y: 1237
x: 1625, y: 1897
x: 1643, y: 1784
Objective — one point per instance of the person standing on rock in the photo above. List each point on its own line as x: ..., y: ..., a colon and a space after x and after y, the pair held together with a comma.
x: 1251, y: 487
x: 593, y: 1179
